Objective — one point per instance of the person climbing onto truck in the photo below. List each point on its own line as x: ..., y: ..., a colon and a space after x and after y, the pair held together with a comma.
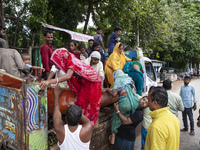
x: 128, y: 102
x: 82, y: 79
x: 72, y: 136
x: 135, y: 70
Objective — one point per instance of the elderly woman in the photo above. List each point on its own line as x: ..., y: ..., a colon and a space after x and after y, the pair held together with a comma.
x: 82, y: 79
x: 128, y: 102
x: 116, y: 61
x: 94, y: 61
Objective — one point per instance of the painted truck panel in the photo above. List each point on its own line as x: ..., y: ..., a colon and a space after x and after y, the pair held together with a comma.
x: 23, y: 117
x: 11, y: 117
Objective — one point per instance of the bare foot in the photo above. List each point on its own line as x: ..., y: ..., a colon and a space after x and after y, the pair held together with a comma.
x: 112, y: 139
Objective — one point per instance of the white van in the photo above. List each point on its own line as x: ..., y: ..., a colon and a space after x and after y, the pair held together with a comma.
x: 149, y: 74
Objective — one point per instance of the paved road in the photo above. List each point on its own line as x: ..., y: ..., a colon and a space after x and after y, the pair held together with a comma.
x: 187, y: 142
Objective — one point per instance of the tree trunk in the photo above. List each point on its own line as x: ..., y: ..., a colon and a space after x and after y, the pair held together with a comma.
x: 94, y: 19
x: 33, y: 39
x: 25, y: 5
x: 2, y: 13
x: 2, y: 18
x: 90, y: 3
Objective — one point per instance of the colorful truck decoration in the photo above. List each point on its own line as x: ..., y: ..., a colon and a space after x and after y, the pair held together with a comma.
x: 23, y: 117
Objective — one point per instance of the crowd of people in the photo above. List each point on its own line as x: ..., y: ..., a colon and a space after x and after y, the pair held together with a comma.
x: 91, y: 72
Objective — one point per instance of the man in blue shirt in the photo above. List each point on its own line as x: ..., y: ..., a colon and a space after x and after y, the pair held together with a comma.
x: 113, y: 39
x: 186, y: 93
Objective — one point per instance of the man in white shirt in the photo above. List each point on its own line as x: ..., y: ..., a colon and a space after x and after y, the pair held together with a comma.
x: 72, y: 135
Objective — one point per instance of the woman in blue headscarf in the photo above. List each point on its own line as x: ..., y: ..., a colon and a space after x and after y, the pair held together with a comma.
x: 134, y: 70
x: 128, y: 100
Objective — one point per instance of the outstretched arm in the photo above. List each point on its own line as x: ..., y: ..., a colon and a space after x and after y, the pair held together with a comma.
x: 57, y: 117
x: 51, y: 75
x: 65, y: 77
x: 102, y: 45
x: 86, y: 132
x: 36, y: 67
x: 52, y: 72
x: 117, y: 40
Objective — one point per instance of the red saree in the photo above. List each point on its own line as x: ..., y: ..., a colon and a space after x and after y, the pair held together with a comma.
x: 85, y: 81
x: 76, y: 53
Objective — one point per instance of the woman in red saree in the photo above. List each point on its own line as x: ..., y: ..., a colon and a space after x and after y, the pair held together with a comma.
x: 82, y: 79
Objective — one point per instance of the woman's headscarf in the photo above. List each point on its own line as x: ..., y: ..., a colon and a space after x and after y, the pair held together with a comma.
x: 65, y: 60
x: 96, y: 54
x: 116, y: 61
x: 99, y: 66
x: 116, y: 52
x: 121, y: 80
x: 95, y: 44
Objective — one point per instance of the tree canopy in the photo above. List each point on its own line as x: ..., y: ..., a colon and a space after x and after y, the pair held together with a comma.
x: 168, y: 30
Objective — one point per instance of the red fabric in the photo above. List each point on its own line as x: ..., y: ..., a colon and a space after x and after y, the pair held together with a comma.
x: 85, y: 81
x: 76, y: 53
x: 88, y: 99
x: 66, y: 60
x: 46, y: 51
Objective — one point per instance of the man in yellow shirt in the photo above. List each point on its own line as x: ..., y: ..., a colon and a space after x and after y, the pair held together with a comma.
x: 164, y: 131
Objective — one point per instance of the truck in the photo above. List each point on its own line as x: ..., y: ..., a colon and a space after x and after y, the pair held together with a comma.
x: 26, y: 117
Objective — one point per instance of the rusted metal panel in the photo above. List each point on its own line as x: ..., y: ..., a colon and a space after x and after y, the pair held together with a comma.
x: 10, y: 81
x: 11, y: 117
x: 23, y: 117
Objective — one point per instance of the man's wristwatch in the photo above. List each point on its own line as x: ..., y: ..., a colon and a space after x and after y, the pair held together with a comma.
x: 118, y: 111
